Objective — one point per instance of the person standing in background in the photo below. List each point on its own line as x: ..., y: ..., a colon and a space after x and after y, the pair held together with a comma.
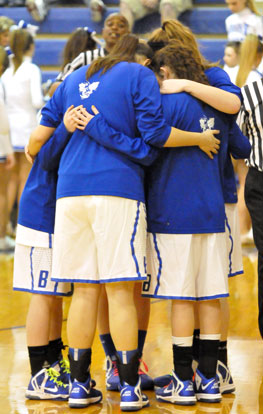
x: 231, y: 59
x: 250, y: 121
x: 22, y: 84
x: 245, y: 19
x: 7, y: 160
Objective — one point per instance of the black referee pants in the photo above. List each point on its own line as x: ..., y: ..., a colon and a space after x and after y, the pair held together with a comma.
x: 254, y: 202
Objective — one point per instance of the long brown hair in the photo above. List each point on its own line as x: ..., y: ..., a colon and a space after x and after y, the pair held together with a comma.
x: 173, y: 29
x: 20, y: 43
x: 4, y: 61
x: 79, y: 41
x: 181, y: 61
x: 250, y: 50
x: 123, y: 51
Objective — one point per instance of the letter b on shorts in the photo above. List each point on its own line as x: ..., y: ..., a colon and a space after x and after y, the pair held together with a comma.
x: 43, y: 278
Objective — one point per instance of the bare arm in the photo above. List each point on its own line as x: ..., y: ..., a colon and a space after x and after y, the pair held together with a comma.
x: 206, y: 141
x: 217, y: 98
x: 37, y: 139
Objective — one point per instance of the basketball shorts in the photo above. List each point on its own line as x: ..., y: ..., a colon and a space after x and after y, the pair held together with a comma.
x: 233, y: 240
x: 99, y: 239
x: 32, y: 272
x: 186, y: 266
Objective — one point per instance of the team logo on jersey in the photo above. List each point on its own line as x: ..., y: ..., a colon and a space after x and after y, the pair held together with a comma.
x: 207, y: 123
x: 86, y: 89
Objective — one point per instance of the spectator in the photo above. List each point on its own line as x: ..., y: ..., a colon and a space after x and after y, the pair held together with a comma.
x: 7, y: 161
x: 245, y: 19
x: 5, y: 24
x: 39, y: 8
x: 169, y: 9
x: 231, y: 59
x: 22, y: 83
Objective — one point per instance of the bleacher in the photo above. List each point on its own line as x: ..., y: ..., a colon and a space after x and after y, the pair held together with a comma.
x: 207, y: 21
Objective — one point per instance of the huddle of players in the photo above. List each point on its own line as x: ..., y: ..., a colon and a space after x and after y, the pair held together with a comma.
x: 191, y: 225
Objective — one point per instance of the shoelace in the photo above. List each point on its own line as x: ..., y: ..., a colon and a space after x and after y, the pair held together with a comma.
x: 53, y: 376
x: 115, y: 369
x: 144, y: 368
x: 64, y: 364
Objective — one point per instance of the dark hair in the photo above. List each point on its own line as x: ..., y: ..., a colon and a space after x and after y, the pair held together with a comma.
x: 123, y: 51
x: 143, y: 49
x: 79, y: 41
x: 234, y: 45
x: 181, y: 61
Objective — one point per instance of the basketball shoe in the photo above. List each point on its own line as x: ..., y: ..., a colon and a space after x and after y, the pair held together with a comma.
x: 177, y: 392
x: 132, y: 399
x: 226, y: 382
x: 112, y: 376
x: 47, y: 385
x: 206, y: 390
x: 82, y: 394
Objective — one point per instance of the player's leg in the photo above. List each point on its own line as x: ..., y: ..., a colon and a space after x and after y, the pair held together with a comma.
x: 206, y: 383
x: 180, y: 389
x: 81, y: 326
x: 123, y: 318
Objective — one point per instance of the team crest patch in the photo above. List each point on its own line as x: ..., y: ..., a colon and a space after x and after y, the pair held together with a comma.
x: 207, y: 123
x: 86, y: 89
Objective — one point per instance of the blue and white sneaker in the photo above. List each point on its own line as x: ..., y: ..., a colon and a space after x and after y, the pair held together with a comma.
x: 207, y: 390
x: 177, y: 392
x: 146, y: 381
x: 113, y: 380
x: 226, y: 383
x: 47, y: 385
x: 162, y: 381
x: 112, y: 375
x: 82, y: 394
x: 132, y: 398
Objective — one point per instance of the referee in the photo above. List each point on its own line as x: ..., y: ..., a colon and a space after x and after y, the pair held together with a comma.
x: 251, y: 123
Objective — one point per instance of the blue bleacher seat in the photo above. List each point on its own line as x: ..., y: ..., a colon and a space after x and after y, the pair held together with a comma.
x: 209, y: 20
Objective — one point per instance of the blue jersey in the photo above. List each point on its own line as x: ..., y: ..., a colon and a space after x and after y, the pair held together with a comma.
x: 184, y: 186
x: 38, y: 200
x: 128, y: 97
x: 218, y: 78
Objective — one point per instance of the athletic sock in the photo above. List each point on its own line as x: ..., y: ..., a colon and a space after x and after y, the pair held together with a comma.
x: 108, y: 346
x: 208, y: 355
x: 128, y: 366
x: 141, y: 340
x: 183, y: 357
x: 80, y: 360
x: 54, y: 353
x: 37, y: 358
x: 196, y: 344
x: 222, y: 352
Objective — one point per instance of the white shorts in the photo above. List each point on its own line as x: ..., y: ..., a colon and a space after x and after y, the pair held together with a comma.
x: 233, y: 240
x: 32, y: 272
x: 186, y: 266
x: 99, y: 239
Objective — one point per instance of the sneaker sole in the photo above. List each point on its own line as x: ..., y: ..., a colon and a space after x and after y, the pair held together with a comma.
x: 34, y: 395
x: 133, y: 406
x: 227, y: 389
x: 82, y: 403
x: 180, y: 401
x: 216, y: 398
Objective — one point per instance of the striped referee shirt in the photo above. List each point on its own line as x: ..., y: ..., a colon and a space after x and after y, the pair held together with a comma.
x: 84, y: 58
x: 250, y: 120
